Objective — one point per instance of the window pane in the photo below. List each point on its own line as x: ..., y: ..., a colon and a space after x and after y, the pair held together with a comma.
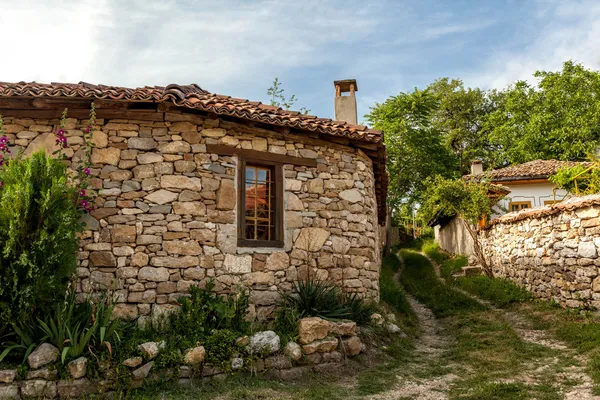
x: 259, y: 204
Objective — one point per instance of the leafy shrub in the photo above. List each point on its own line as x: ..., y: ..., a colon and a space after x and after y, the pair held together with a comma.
x: 315, y: 298
x: 205, y: 311
x: 220, y: 347
x: 39, y: 222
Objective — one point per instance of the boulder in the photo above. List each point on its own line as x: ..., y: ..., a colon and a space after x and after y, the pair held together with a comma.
x: 133, y: 362
x: 149, y: 350
x: 44, y: 354
x: 312, y: 328
x: 345, y: 328
x: 351, y: 346
x: 393, y: 328
x: 293, y: 351
x: 142, y: 371
x: 161, y: 196
x: 237, y: 363
x: 38, y: 389
x: 266, y: 342
x: 78, y: 368
x: 77, y: 389
x: 321, y: 346
x: 311, y: 239
x: 9, y: 392
x: 8, y: 375
x: 377, y: 319
x: 194, y: 356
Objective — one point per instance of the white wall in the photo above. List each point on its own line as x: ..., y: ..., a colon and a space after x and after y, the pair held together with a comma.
x: 536, y: 193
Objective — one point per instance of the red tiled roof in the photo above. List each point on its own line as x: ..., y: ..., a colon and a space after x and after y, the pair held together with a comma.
x: 193, y: 96
x: 537, y: 169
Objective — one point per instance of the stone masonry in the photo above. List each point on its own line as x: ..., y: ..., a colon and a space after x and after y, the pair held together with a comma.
x: 165, y: 216
x: 552, y: 251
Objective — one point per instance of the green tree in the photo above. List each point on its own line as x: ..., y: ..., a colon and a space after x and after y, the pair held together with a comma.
x: 39, y: 223
x: 415, y: 146
x: 559, y: 118
x: 467, y: 200
x: 460, y: 117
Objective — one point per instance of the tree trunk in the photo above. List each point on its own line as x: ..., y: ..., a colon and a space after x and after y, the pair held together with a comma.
x: 477, y: 249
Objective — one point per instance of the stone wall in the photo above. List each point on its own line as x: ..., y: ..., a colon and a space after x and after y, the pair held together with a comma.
x: 551, y: 251
x: 454, y: 237
x: 165, y: 217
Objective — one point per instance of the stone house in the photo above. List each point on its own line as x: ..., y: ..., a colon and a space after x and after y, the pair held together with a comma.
x: 193, y: 186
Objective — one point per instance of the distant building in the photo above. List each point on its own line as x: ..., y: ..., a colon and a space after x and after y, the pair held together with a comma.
x: 528, y: 184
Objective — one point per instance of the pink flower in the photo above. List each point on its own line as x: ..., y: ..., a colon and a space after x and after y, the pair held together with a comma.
x: 82, y: 193
x: 87, y: 130
x: 86, y: 170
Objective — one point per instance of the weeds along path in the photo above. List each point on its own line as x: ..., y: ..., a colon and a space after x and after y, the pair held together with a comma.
x: 568, y: 367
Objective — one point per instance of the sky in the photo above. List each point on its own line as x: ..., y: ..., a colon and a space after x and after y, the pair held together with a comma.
x: 237, y: 47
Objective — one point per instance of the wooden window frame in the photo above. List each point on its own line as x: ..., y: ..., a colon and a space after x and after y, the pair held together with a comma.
x: 277, y: 168
x: 518, y: 203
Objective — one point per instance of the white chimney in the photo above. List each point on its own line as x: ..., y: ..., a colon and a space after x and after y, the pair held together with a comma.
x: 345, y: 106
x: 476, y: 167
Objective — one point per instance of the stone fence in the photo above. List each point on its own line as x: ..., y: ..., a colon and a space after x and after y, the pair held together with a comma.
x: 551, y: 251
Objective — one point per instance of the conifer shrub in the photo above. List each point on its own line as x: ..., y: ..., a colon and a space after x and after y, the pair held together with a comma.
x: 40, y: 218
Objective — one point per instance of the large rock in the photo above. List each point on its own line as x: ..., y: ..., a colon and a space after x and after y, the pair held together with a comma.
x: 175, y: 262
x: 45, y: 141
x: 9, y: 392
x: 320, y: 346
x: 149, y: 350
x: 226, y: 195
x: 266, y: 342
x: 37, y: 389
x: 180, y: 182
x: 586, y: 250
x: 7, y: 376
x: 142, y: 143
x: 293, y: 351
x: 159, y: 274
x: 189, y: 208
x: 133, y: 362
x: 44, y: 354
x: 77, y: 389
x: 194, y: 356
x: 102, y: 259
x: 311, y: 239
x: 351, y: 346
x: 237, y: 264
x: 175, y: 146
x: 78, y: 368
x: 162, y: 197
x: 344, y: 328
x: 184, y: 247
x: 278, y: 261
x: 311, y: 329
x: 109, y: 155
x: 351, y: 195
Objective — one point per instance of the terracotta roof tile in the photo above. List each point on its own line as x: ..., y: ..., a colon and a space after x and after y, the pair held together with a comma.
x: 537, y: 169
x: 193, y: 96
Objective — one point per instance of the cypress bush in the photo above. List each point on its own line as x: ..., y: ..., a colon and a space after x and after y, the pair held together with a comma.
x: 39, y: 223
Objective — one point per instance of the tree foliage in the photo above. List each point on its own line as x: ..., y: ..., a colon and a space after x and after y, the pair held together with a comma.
x: 39, y: 222
x: 440, y: 130
x: 578, y: 179
x: 415, y: 146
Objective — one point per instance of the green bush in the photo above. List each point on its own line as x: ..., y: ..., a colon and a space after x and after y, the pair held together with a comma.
x: 39, y: 222
x: 286, y: 324
x: 220, y: 347
x: 205, y: 311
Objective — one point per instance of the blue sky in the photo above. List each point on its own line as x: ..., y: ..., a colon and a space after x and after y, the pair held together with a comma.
x: 238, y: 47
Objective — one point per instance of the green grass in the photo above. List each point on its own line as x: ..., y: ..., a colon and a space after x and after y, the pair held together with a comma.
x: 419, y: 279
x: 500, y: 292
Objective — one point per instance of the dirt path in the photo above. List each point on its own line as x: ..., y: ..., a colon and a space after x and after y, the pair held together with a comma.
x: 584, y: 387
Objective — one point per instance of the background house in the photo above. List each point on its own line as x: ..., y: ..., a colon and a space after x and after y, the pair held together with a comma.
x: 528, y: 184
x: 524, y: 186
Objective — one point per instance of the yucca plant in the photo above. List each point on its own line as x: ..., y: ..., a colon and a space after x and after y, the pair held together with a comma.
x: 23, y: 340
x: 315, y: 298
x: 360, y: 309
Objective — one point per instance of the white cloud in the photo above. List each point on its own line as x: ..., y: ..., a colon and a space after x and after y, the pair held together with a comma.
x: 563, y: 31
